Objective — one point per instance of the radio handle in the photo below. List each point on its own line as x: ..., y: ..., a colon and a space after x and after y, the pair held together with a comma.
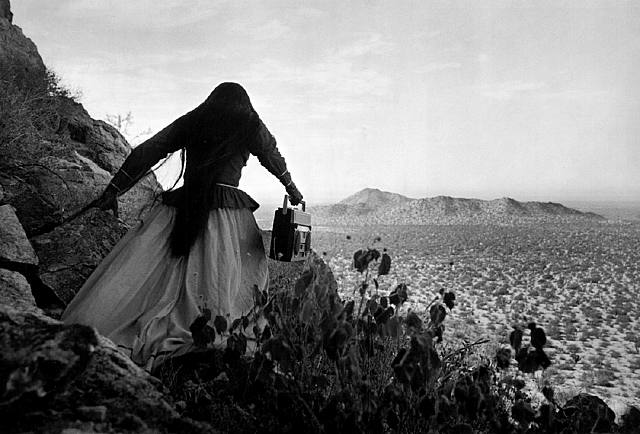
x: 285, y: 204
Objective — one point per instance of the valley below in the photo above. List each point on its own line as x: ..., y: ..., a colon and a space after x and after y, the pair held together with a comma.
x: 579, y: 281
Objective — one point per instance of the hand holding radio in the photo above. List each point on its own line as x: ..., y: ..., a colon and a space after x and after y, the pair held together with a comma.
x: 295, y: 197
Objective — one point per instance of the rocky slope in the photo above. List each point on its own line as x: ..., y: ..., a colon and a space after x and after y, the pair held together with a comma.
x: 13, y: 43
x: 372, y: 206
x: 55, y: 159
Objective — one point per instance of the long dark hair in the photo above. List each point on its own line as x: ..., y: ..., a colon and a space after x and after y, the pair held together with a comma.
x: 224, y: 123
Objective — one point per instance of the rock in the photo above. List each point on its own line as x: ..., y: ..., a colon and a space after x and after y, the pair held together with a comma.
x: 103, y: 147
x: 112, y: 380
x: 39, y: 356
x: 69, y: 253
x: 631, y: 421
x: 15, y: 45
x: 76, y: 431
x: 15, y: 291
x: 96, y: 413
x: 50, y: 188
x: 94, y: 139
x: 27, y: 293
x: 15, y: 248
x: 181, y: 406
x: 281, y: 274
x: 49, y: 368
x: 590, y: 414
x: 222, y: 377
x: 131, y: 422
x: 5, y: 10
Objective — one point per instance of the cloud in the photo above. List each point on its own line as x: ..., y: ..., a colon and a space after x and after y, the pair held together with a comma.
x: 309, y: 12
x: 131, y: 61
x: 509, y: 89
x: 148, y: 14
x: 328, y: 86
x: 271, y: 30
x: 371, y: 44
x: 260, y: 30
x: 578, y: 94
x: 335, y: 83
x: 438, y: 66
x: 483, y: 58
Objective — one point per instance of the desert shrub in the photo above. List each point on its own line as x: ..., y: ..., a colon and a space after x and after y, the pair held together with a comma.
x: 360, y: 364
x: 633, y: 338
x: 554, y: 330
x: 634, y: 364
x: 31, y: 103
x: 604, y: 377
x: 573, y: 348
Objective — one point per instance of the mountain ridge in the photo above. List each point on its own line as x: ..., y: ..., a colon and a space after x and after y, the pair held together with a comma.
x: 374, y: 206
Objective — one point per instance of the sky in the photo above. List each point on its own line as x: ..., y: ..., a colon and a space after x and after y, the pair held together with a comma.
x: 535, y: 100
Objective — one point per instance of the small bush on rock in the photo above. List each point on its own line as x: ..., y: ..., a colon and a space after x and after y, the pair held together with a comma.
x: 31, y: 104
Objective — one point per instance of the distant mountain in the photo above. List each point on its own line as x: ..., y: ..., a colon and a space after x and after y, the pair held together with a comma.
x: 366, y: 202
x: 373, y: 197
x: 372, y: 206
x: 613, y: 210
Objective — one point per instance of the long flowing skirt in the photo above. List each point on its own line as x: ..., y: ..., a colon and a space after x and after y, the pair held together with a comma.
x: 144, y: 299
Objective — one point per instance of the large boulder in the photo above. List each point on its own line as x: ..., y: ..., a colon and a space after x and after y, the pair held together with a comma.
x: 95, y: 139
x: 281, y: 274
x: 590, y: 414
x: 15, y: 292
x: 51, y: 178
x: 69, y: 253
x: 5, y: 10
x: 55, y: 377
x: 631, y: 421
x: 15, y: 45
x: 103, y: 149
x: 15, y: 249
x: 19, y: 266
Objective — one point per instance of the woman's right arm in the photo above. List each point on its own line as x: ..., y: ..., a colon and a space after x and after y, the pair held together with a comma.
x: 148, y: 154
x: 141, y: 160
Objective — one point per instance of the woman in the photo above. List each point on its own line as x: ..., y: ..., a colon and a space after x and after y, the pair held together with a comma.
x: 198, y: 251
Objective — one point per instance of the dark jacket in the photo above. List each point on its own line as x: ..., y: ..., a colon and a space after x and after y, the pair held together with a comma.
x: 178, y: 135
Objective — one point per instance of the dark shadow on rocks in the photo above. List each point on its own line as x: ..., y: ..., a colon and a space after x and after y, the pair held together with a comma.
x: 589, y: 413
x: 55, y: 376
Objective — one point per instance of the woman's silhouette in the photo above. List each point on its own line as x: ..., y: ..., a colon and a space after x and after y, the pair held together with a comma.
x: 200, y: 248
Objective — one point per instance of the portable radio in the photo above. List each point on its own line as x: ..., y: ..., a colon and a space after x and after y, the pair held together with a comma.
x: 291, y: 234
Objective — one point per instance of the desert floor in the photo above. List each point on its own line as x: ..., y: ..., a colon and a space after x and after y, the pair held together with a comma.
x: 580, y: 282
